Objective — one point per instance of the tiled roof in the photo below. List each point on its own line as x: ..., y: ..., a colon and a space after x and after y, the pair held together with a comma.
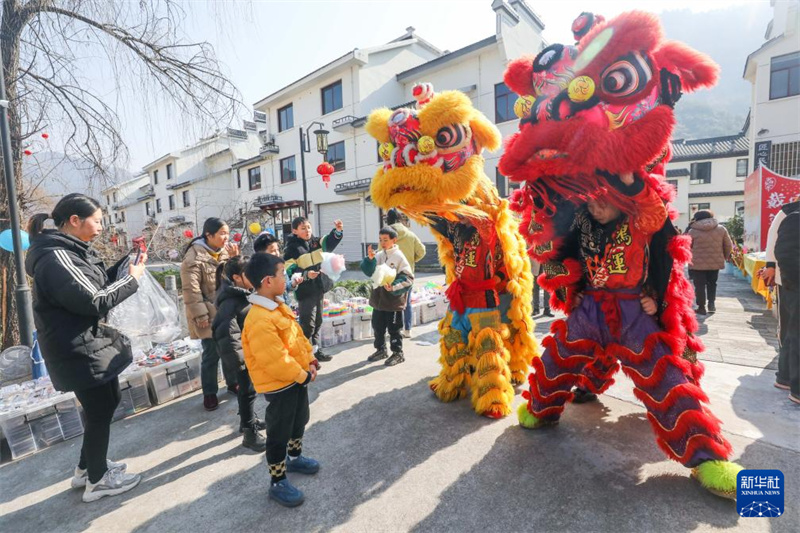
x: 711, y: 148
x: 714, y: 193
x: 677, y: 172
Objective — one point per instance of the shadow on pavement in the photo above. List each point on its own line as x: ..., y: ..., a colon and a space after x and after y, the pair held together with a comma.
x: 583, y: 475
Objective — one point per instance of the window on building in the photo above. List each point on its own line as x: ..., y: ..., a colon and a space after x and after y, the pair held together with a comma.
x: 785, y: 158
x: 169, y: 172
x: 155, y: 177
x: 674, y: 183
x: 288, y: 172
x: 108, y: 200
x: 158, y: 205
x: 186, y: 202
x: 738, y: 208
x: 700, y: 172
x: 694, y: 208
x: 503, y: 103
x: 286, y: 117
x: 122, y: 216
x: 254, y: 178
x: 238, y: 178
x: 784, y: 77
x: 500, y: 183
x: 148, y: 209
x: 332, y: 97
x: 741, y: 167
x: 171, y: 202
x: 335, y: 156
x: 114, y: 196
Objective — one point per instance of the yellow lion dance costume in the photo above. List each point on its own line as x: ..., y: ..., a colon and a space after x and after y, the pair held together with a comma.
x: 433, y: 172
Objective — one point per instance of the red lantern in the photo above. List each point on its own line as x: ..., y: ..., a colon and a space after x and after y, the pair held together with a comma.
x: 45, y: 135
x: 325, y: 170
x: 237, y: 237
x: 188, y: 234
x: 27, y: 152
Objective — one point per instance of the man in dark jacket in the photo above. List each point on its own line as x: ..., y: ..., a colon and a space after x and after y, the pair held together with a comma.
x: 303, y: 256
x: 787, y: 256
x: 232, y: 309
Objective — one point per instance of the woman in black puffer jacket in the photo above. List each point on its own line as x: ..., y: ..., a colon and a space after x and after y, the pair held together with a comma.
x: 72, y: 294
x: 233, y: 288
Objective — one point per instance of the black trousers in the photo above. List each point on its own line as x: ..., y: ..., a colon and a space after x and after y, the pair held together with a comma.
x: 789, y: 335
x: 286, y: 417
x: 391, y: 320
x: 309, y: 312
x: 247, y: 399
x: 705, y: 285
x: 209, y: 363
x: 99, y: 404
x: 536, y: 297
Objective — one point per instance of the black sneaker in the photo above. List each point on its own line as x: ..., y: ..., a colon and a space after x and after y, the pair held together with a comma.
x: 253, y: 440
x: 378, y: 355
x: 583, y: 396
x: 395, y: 359
x: 712, y: 308
x: 701, y: 310
x: 547, y: 312
x: 257, y: 423
x: 321, y: 356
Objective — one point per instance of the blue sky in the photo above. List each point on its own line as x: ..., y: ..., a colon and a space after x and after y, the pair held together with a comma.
x: 266, y: 45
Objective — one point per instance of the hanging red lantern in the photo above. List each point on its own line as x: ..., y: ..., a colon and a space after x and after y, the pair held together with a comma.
x: 27, y: 152
x: 237, y: 237
x: 325, y: 170
x: 188, y: 234
x: 45, y: 135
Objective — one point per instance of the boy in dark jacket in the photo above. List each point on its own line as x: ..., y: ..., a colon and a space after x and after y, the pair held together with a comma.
x: 388, y: 301
x: 303, y: 255
x: 233, y: 288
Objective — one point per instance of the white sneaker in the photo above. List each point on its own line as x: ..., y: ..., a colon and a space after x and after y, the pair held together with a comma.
x: 112, y: 483
x: 407, y: 333
x: 81, y: 475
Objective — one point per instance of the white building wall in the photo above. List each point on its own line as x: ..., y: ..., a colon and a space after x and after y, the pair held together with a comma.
x: 723, y: 179
x: 780, y: 117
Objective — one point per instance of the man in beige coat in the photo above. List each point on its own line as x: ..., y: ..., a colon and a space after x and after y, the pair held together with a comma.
x: 412, y: 249
x: 711, y: 247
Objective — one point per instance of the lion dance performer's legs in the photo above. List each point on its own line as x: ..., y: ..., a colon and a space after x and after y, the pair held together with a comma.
x: 473, y: 354
x: 453, y: 379
x: 684, y: 428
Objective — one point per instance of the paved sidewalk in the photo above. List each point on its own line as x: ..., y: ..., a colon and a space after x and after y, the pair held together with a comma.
x: 395, y: 459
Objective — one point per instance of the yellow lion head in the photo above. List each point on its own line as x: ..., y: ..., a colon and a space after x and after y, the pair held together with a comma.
x: 431, y: 154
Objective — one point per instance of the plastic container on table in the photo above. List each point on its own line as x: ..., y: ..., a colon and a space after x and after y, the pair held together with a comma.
x: 41, y: 425
x: 135, y: 396
x: 335, y: 330
x: 174, y: 379
x: 362, y: 326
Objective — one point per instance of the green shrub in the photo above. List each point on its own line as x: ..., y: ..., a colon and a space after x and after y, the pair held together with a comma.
x: 161, y: 274
x: 356, y: 287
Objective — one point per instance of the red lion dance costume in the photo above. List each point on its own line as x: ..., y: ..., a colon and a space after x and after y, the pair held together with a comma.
x: 596, y: 119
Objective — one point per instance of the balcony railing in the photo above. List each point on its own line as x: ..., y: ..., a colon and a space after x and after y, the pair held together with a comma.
x: 269, y: 148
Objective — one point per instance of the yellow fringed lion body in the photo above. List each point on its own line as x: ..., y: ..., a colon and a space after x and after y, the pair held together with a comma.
x: 433, y: 172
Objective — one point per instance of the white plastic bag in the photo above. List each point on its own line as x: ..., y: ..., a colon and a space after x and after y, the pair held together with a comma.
x: 149, y: 316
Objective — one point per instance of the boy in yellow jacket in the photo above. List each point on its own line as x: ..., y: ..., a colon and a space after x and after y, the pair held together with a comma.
x: 281, y: 365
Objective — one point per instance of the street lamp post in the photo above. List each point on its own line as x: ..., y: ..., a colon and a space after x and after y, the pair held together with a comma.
x: 22, y: 290
x: 322, y: 147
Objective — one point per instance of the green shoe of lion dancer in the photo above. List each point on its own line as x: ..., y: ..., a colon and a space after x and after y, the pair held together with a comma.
x: 718, y: 477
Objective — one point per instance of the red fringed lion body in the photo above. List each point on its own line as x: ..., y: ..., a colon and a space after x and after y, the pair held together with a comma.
x: 595, y: 123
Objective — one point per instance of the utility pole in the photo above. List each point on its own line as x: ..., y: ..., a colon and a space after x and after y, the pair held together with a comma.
x: 22, y: 291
